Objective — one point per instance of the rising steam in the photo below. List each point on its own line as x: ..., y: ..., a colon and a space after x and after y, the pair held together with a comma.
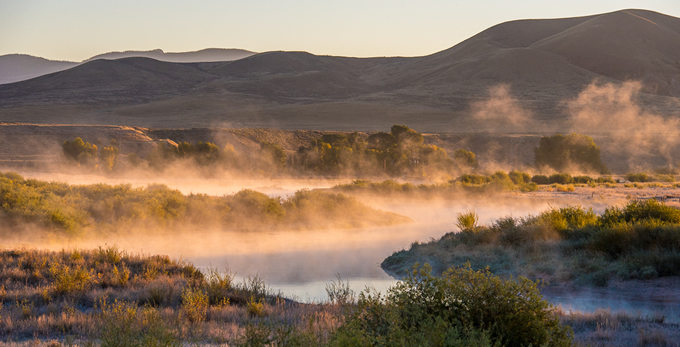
x: 615, y: 112
x: 500, y: 110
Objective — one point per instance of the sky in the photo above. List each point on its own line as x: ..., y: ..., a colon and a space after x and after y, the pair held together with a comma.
x: 75, y: 30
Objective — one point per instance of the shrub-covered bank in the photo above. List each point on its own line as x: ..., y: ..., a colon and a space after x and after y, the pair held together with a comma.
x: 572, y: 244
x: 109, y: 297
x: 72, y: 210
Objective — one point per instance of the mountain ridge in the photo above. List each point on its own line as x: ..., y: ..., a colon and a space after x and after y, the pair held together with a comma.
x: 21, y: 67
x: 544, y: 61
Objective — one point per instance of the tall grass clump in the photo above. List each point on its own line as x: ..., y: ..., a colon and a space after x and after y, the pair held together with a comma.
x: 340, y: 293
x: 467, y: 220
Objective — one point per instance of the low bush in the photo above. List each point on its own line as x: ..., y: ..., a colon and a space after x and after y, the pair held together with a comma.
x: 474, y: 179
x: 519, y: 177
x: 582, y: 179
x: 638, y: 177
x: 560, y: 178
x: 467, y: 220
x: 540, y: 179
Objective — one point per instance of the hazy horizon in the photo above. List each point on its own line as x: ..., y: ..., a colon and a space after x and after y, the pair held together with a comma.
x: 75, y: 30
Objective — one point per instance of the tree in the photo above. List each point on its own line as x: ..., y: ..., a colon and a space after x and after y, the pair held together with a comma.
x: 207, y: 153
x: 274, y: 153
x: 108, y: 156
x: 465, y: 158
x: 560, y: 152
x: 79, y: 150
x: 381, y: 141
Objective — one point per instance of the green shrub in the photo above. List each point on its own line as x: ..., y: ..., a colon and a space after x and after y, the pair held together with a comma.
x: 559, y: 219
x: 519, y: 177
x: 474, y: 179
x: 194, y: 304
x: 124, y: 326
x: 560, y: 152
x: 582, y: 179
x: 613, y: 241
x: 528, y: 187
x: 69, y: 280
x: 13, y: 176
x: 540, y: 179
x: 639, y: 211
x: 80, y: 151
x: 218, y: 286
x: 638, y: 177
x: 463, y: 307
x: 255, y: 308
x: 560, y: 178
x: 605, y: 179
x: 501, y: 181
x: 467, y: 220
x: 465, y: 158
x: 664, y: 178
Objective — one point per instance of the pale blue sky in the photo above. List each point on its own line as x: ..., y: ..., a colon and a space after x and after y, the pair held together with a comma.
x: 78, y: 29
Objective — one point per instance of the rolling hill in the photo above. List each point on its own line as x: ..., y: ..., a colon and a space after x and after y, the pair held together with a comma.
x: 544, y: 61
x: 204, y: 55
x: 21, y: 67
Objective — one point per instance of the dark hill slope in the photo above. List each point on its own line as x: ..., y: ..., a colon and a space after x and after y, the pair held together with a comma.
x: 297, y: 75
x: 129, y: 80
x: 624, y: 45
x: 621, y: 45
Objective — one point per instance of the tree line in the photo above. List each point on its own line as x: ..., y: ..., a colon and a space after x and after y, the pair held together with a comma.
x: 399, y: 152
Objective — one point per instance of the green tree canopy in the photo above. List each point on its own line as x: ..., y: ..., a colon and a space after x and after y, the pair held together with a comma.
x: 560, y: 152
x: 464, y: 157
x: 79, y: 150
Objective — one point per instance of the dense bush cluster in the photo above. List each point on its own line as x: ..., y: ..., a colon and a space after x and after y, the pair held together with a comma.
x: 644, y: 177
x: 400, y: 152
x: 499, y: 181
x: 73, y: 210
x: 463, y: 307
x: 79, y: 151
x: 560, y: 153
x: 467, y: 183
x: 565, y: 178
x: 639, y: 240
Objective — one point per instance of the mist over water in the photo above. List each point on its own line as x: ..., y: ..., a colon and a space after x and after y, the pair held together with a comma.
x: 300, y: 264
x: 195, y: 184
